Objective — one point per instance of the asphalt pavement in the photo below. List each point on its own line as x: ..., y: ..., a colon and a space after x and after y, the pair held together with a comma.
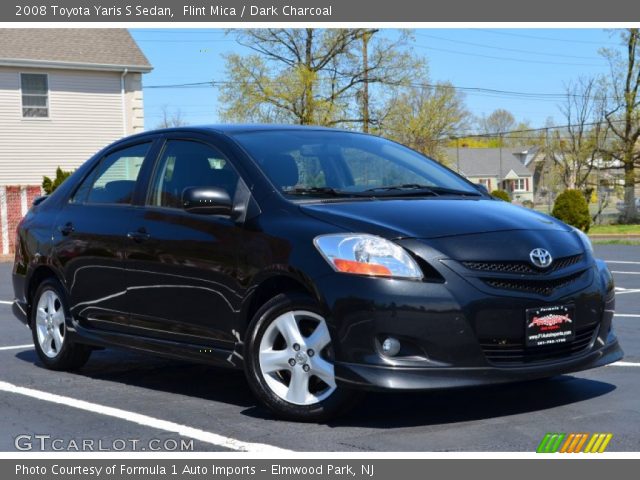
x: 121, y: 400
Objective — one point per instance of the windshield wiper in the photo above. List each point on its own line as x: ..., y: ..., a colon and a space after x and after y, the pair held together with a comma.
x: 403, y: 189
x: 317, y: 191
x: 453, y: 191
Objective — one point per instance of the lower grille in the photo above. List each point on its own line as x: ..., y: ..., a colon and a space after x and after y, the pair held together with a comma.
x: 516, y: 353
x: 540, y: 287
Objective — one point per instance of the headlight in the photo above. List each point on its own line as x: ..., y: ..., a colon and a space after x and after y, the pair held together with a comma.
x: 584, y: 238
x: 365, y: 254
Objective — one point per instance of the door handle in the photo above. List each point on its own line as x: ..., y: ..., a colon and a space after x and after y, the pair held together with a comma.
x: 66, y: 229
x: 138, y: 236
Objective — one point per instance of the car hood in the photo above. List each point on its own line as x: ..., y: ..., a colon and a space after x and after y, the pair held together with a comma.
x: 430, y: 218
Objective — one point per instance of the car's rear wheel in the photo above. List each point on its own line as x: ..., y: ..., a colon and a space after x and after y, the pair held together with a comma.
x: 289, y: 361
x: 49, y: 329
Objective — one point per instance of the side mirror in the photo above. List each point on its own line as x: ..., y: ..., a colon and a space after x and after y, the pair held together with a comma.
x: 482, y: 188
x: 207, y: 201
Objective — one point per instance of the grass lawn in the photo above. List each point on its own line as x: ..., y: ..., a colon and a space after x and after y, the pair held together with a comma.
x: 615, y: 229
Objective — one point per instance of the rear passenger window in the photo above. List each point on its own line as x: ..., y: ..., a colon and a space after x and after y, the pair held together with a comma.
x: 114, y: 180
x: 187, y: 164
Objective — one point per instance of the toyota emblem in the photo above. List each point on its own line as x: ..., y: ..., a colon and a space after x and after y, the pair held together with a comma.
x: 540, y: 257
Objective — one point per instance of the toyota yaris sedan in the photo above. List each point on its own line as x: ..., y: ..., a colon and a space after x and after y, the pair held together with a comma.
x: 322, y: 262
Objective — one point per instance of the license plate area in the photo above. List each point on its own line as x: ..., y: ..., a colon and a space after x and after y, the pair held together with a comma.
x: 550, y: 326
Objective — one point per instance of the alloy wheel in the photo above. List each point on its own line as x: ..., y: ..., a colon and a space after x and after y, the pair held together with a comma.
x: 296, y: 359
x: 50, y: 323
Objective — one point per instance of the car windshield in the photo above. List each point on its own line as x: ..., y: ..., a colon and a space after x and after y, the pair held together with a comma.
x: 335, y: 163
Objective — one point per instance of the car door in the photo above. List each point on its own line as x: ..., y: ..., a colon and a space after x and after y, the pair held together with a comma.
x: 90, y: 235
x: 181, y: 266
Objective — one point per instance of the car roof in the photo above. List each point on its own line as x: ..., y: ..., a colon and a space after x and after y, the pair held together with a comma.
x: 240, y: 128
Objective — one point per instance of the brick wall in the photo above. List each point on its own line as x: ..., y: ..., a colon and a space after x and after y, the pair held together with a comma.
x: 15, y: 201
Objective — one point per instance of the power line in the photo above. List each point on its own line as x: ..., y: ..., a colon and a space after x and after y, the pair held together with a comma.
x: 507, y: 59
x: 530, y: 52
x: 537, y: 37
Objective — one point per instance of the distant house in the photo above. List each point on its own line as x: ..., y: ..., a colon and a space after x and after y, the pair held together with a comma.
x: 64, y: 94
x: 496, y: 169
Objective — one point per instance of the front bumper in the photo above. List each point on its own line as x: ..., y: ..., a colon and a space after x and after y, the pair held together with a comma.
x: 453, y: 330
x: 371, y: 377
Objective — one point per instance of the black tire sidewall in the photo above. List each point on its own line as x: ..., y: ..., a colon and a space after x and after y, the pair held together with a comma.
x: 320, y: 411
x: 70, y: 352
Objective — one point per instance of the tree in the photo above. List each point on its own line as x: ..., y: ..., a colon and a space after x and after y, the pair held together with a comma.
x: 499, y: 121
x: 49, y: 185
x: 576, y: 148
x: 422, y: 117
x: 171, y: 119
x: 623, y: 113
x: 313, y: 76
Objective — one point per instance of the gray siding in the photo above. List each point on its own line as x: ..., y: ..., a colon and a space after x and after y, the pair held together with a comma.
x: 85, y: 114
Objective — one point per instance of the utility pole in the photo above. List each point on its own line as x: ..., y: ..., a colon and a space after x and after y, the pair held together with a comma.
x: 366, y: 36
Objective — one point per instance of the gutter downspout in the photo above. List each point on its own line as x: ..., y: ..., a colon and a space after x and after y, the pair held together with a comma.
x: 124, y: 102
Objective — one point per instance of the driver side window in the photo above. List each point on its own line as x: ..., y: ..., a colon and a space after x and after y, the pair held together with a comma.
x: 185, y: 164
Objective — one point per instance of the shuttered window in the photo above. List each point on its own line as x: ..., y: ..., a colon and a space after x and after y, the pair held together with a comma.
x: 35, y: 95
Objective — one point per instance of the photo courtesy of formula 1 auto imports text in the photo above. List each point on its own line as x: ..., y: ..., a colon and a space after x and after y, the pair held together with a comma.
x: 294, y: 239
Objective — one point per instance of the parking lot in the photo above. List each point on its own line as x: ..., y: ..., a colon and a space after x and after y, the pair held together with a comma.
x: 122, y: 399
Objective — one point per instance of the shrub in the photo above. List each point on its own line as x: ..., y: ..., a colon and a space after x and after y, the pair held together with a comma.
x: 49, y: 185
x: 501, y: 194
x: 571, y: 207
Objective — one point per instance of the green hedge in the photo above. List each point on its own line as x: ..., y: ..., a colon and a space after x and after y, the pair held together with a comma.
x: 501, y: 194
x: 571, y: 207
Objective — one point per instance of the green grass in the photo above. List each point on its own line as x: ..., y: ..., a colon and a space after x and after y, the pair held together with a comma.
x: 615, y: 242
x: 615, y: 229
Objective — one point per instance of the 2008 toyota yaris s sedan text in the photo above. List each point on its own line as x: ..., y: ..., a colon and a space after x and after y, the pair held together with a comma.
x: 323, y: 262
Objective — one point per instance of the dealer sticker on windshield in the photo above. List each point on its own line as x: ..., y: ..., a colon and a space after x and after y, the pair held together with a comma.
x: 549, y: 326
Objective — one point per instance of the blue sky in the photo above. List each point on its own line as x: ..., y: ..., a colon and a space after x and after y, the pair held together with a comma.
x: 523, y: 60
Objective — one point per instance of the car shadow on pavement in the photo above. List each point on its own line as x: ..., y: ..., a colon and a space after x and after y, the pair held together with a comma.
x: 163, y: 375
x: 377, y: 410
x: 395, y: 410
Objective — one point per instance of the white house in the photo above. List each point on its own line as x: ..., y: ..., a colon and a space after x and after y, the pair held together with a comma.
x: 495, y: 168
x: 64, y: 94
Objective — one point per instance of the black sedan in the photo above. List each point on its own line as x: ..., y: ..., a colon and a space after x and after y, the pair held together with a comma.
x: 322, y: 262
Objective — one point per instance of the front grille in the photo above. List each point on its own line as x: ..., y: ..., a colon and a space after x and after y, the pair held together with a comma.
x: 499, y: 353
x: 522, y: 267
x: 540, y: 287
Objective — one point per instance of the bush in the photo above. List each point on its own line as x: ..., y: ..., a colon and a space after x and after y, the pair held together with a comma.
x: 501, y: 194
x: 571, y: 207
x: 528, y: 204
x: 49, y: 185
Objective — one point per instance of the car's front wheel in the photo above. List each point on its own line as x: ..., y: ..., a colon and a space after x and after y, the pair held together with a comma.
x: 289, y: 361
x: 49, y: 329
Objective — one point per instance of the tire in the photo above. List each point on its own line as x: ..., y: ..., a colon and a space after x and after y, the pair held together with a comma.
x: 296, y: 384
x: 49, y: 315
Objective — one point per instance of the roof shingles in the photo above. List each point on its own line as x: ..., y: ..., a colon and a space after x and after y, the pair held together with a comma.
x: 478, y: 162
x: 90, y: 47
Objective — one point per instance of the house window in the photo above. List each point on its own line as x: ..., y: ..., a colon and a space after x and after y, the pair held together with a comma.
x: 35, y: 95
x: 486, y: 182
x: 520, y: 185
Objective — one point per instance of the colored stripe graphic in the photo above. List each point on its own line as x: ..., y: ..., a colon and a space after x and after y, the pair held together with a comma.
x: 574, y: 442
x: 550, y: 443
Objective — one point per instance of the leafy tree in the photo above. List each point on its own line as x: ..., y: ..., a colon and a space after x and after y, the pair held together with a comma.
x: 571, y: 207
x: 49, y: 185
x: 499, y: 121
x: 623, y: 113
x: 501, y: 194
x: 313, y: 76
x: 420, y: 117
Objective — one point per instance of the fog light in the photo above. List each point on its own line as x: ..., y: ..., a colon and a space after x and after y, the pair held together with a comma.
x: 391, y: 346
